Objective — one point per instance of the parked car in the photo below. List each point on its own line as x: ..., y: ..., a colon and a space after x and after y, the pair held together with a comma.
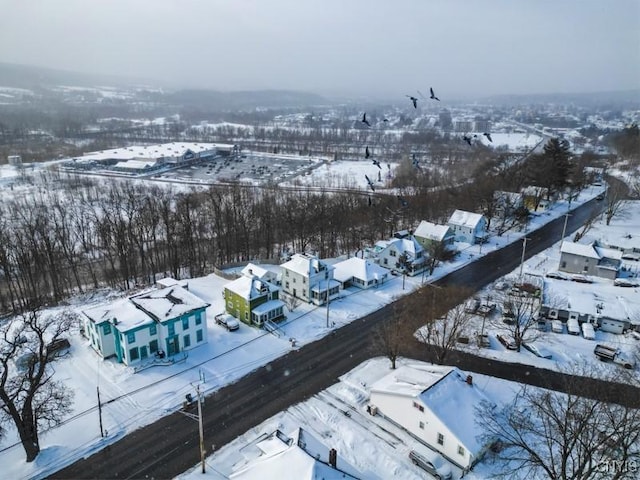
x: 483, y: 340
x: 59, y: 346
x: 537, y: 350
x: 542, y: 324
x: 588, y: 331
x: 607, y: 353
x: 626, y: 282
x: 557, y: 326
x: 432, y: 463
x: 506, y: 342
x: 228, y: 322
x: 558, y: 276
x: 580, y: 278
x: 573, y: 327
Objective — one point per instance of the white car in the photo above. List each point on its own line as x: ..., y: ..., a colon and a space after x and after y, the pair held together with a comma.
x: 537, y: 350
x: 228, y: 322
x: 432, y: 463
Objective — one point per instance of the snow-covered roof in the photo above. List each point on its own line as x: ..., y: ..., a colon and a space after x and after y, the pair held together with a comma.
x: 127, y: 315
x: 250, y: 287
x: 135, y: 164
x: 256, y: 270
x: 432, y: 231
x: 283, y: 457
x: 533, y: 191
x: 444, y: 391
x: 267, y: 306
x: 170, y: 282
x: 608, y: 253
x: 358, y: 268
x: 163, y: 150
x: 167, y: 303
x: 306, y: 265
x: 465, y: 219
x: 579, y: 249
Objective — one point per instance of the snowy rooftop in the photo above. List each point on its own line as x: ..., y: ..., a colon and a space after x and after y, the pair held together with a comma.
x: 125, y: 312
x: 431, y: 231
x: 267, y: 306
x: 257, y: 270
x: 170, y: 302
x: 305, y: 264
x: 409, y: 380
x: 249, y: 287
x: 359, y: 268
x: 135, y: 164
x: 465, y: 219
x: 579, y: 249
x: 173, y: 149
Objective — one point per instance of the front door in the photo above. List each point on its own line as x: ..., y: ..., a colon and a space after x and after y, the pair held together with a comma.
x: 173, y: 345
x: 143, y: 353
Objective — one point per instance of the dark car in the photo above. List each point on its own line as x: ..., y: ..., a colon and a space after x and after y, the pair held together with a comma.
x: 58, y: 347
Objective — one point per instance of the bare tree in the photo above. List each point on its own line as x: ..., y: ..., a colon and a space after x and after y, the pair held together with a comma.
x: 390, y: 337
x: 548, y: 434
x: 616, y: 202
x: 440, y: 331
x: 290, y: 301
x: 31, y: 399
x: 519, y: 318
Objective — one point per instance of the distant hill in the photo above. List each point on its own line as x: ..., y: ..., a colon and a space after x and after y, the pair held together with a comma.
x: 615, y: 99
x: 30, y: 77
x: 214, y: 100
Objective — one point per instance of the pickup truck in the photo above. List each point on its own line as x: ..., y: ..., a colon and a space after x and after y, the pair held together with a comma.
x: 607, y: 353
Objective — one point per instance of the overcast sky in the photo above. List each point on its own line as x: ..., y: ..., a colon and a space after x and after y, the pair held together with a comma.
x: 371, y: 47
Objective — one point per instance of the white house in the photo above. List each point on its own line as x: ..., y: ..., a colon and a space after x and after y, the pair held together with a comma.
x: 590, y: 260
x: 468, y: 227
x: 261, y: 273
x: 308, y: 278
x: 387, y: 254
x: 360, y: 272
x: 435, y: 404
x: 161, y: 322
x: 299, y: 455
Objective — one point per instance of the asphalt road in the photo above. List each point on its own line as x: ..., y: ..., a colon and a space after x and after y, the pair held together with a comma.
x: 169, y: 446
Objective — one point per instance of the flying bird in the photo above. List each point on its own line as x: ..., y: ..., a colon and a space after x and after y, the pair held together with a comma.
x: 385, y: 120
x: 376, y: 163
x: 366, y: 152
x: 467, y: 139
x: 433, y: 95
x: 364, y: 119
x: 488, y: 135
x: 370, y: 184
x: 414, y: 100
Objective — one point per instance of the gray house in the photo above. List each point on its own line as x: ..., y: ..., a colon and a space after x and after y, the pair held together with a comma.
x: 590, y: 260
x: 468, y: 227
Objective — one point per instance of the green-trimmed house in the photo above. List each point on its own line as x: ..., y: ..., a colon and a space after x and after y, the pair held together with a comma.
x: 430, y: 234
x: 161, y: 322
x: 253, y: 301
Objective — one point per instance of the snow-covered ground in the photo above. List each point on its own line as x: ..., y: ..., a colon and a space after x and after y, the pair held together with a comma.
x: 141, y: 398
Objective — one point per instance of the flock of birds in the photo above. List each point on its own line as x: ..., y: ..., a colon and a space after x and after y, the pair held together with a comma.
x: 415, y: 162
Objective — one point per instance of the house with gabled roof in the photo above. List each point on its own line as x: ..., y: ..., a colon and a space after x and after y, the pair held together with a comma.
x: 261, y: 273
x: 252, y: 300
x: 360, y: 272
x: 590, y: 259
x: 430, y: 234
x: 161, y: 322
x: 536, y: 199
x: 310, y: 279
x: 436, y: 405
x: 300, y: 455
x: 468, y: 227
x: 388, y: 253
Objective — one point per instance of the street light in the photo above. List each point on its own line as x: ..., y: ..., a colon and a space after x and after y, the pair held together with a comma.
x: 564, y: 228
x: 524, y: 247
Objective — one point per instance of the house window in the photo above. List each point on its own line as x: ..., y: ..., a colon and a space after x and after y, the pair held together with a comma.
x: 199, y: 336
x: 440, y: 439
x: 153, y: 346
x: 185, y: 323
x: 418, y: 406
x: 421, y: 425
x: 286, y: 285
x: 286, y: 272
x: 198, y: 318
x: 153, y: 329
x: 294, y: 280
x: 392, y: 253
x: 133, y: 354
x: 106, y: 328
x: 131, y: 337
x: 564, y: 265
x: 172, y: 329
x: 187, y: 341
x: 461, y: 450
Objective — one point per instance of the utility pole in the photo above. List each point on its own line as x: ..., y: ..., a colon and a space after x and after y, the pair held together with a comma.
x: 100, y: 412
x: 524, y: 247
x: 200, y: 428
x: 564, y: 228
x: 327, y: 300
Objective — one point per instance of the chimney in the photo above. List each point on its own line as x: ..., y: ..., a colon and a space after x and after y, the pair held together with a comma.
x: 333, y: 457
x: 469, y: 380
